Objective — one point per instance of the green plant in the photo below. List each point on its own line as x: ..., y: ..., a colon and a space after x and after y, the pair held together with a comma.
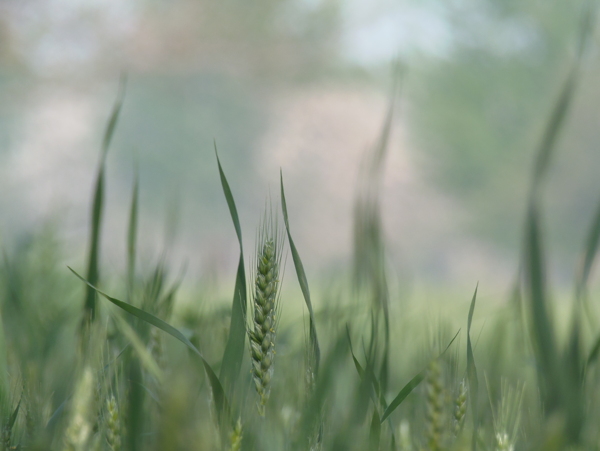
x: 265, y: 309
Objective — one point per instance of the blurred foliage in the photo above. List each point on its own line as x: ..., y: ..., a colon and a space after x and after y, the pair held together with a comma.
x: 478, y: 110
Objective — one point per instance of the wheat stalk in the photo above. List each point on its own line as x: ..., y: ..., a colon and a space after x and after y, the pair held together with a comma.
x: 265, y: 301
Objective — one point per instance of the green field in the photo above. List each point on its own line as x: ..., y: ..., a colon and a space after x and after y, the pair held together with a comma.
x: 271, y: 360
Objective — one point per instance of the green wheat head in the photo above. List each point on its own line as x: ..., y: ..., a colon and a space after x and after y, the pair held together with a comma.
x: 265, y: 306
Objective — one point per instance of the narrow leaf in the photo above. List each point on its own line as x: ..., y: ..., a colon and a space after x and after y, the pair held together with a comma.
x: 140, y: 348
x: 410, y: 386
x: 359, y: 368
x: 235, y: 348
x: 406, y: 390
x: 300, y: 273
x: 472, y: 374
x: 98, y: 203
x: 542, y: 330
x: 12, y: 419
x: 132, y: 235
x: 219, y: 397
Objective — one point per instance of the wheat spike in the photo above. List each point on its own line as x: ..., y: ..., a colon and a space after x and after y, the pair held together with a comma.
x: 265, y: 309
x: 113, y: 424
x: 460, y: 407
x: 435, y: 414
x: 236, y: 436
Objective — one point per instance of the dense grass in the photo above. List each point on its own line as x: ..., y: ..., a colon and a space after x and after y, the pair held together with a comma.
x: 360, y: 370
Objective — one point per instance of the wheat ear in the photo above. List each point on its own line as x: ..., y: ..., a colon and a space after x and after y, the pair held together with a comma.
x: 265, y: 309
x: 435, y: 413
x: 236, y: 436
x: 460, y: 407
x: 113, y: 424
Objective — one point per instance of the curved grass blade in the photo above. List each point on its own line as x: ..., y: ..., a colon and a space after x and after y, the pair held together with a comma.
x: 400, y: 397
x: 472, y: 373
x: 140, y: 348
x: 559, y: 113
x: 221, y: 403
x: 411, y: 385
x: 542, y: 329
x: 114, y: 117
x: 57, y: 415
x: 235, y: 348
x: 132, y: 235
x: 98, y: 203
x: 301, y: 274
x: 359, y: 368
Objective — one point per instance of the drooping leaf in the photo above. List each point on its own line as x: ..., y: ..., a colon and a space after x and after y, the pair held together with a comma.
x: 219, y: 397
x: 140, y: 348
x: 411, y: 385
x: 235, y: 348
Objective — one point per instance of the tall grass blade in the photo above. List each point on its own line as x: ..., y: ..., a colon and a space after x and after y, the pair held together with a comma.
x: 235, y: 348
x: 132, y: 236
x: 561, y: 107
x: 220, y: 399
x: 542, y: 330
x: 301, y: 274
x: 97, y: 207
x: 369, y: 256
x: 472, y: 374
x: 553, y: 127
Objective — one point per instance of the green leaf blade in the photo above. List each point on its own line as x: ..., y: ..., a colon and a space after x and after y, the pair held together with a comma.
x: 219, y: 397
x: 302, y: 280
x: 236, y: 341
x: 472, y: 373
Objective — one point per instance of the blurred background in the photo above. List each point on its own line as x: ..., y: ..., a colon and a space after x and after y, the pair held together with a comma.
x: 301, y: 85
